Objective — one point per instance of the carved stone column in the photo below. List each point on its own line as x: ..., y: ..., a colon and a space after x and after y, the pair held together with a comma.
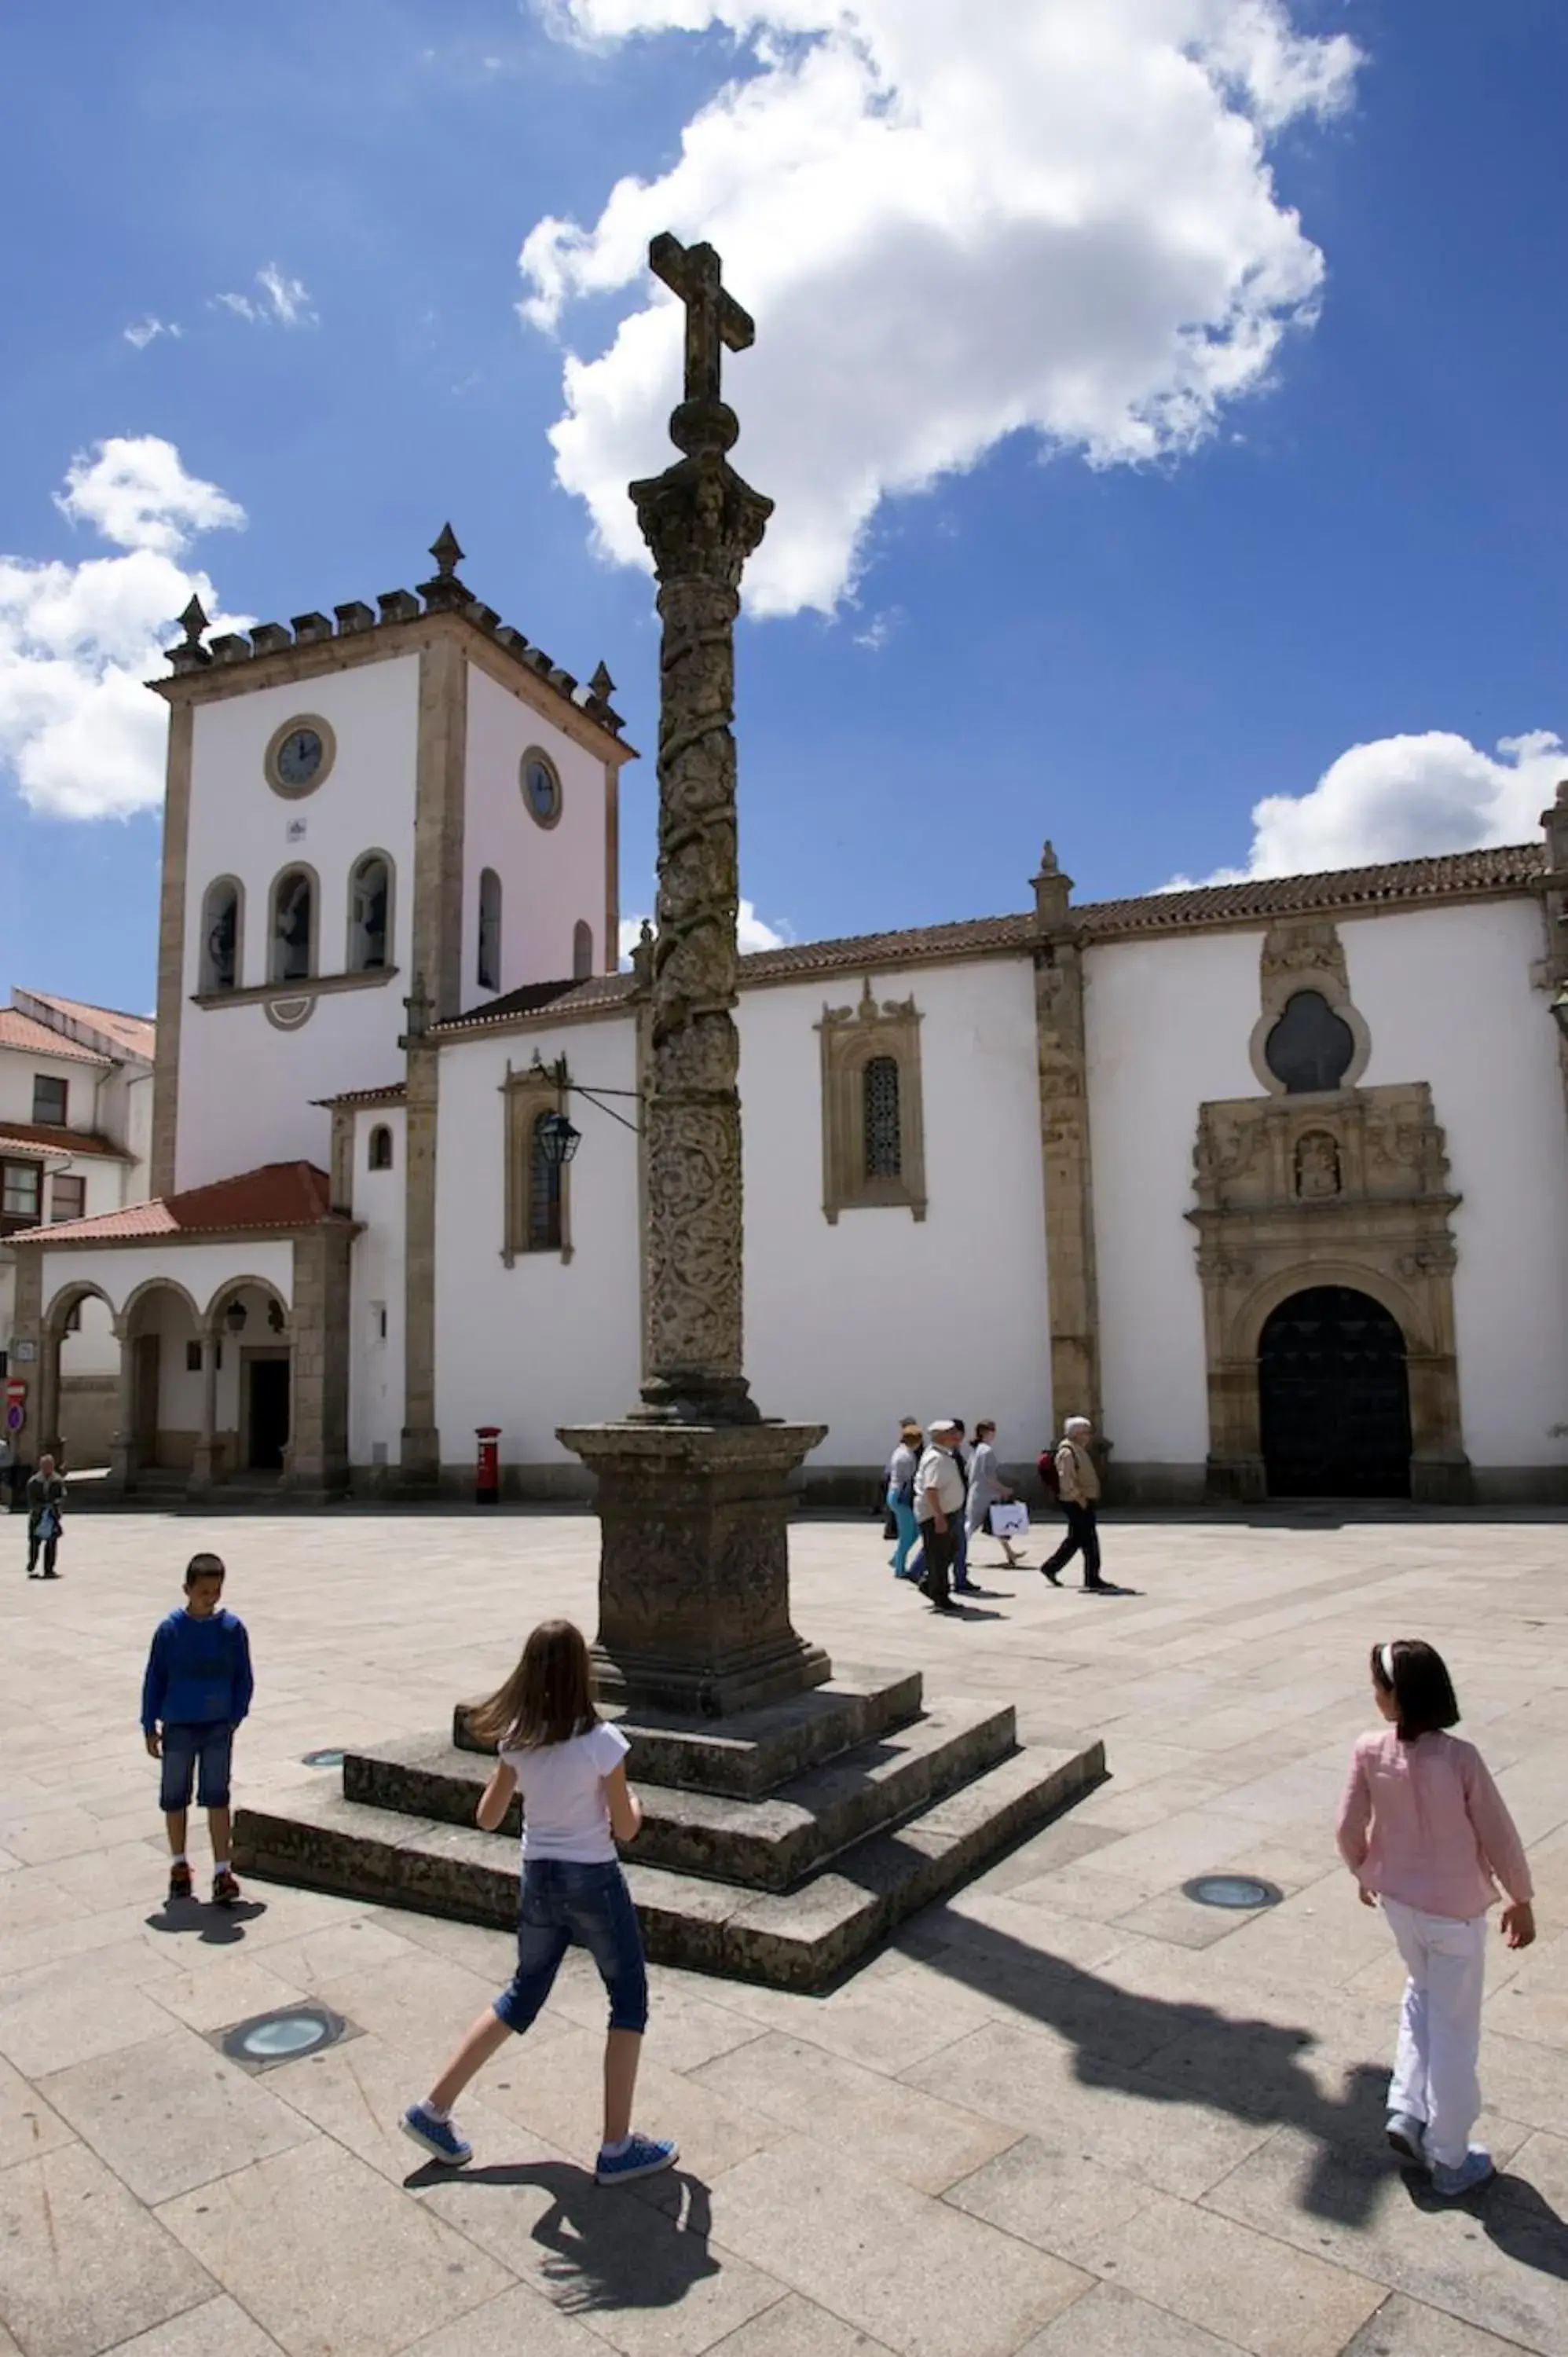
x: 1065, y: 1151
x: 693, y: 1496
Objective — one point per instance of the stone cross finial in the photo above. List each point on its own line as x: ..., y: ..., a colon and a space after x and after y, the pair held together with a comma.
x: 446, y: 552
x: 713, y: 318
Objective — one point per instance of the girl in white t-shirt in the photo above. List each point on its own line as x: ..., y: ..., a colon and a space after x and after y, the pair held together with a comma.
x: 570, y: 1767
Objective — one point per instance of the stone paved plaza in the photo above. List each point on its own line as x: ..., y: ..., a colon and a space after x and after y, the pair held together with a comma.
x: 1070, y: 2115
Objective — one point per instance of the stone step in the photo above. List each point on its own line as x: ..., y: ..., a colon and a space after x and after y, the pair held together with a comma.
x: 800, y: 1940
x: 754, y: 1751
x: 761, y: 1845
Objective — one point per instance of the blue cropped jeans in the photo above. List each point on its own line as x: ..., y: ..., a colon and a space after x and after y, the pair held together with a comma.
x: 562, y: 1901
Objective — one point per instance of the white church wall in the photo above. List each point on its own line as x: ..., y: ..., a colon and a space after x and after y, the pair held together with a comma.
x: 376, y: 1359
x: 246, y: 1088
x: 551, y: 876
x: 856, y: 1323
x: 1447, y: 998
x: 545, y: 1342
x: 1167, y: 1025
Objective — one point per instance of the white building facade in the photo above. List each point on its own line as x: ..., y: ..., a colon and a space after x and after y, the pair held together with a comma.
x: 1270, y: 1179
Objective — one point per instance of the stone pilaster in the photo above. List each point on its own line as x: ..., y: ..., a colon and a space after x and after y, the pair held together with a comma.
x: 318, y: 1436
x: 171, y: 946
x: 1065, y: 1150
x: 440, y: 762
x: 1554, y: 907
x: 420, y: 1450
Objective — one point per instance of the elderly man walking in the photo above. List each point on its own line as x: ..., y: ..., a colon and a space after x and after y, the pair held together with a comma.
x: 938, y: 1509
x: 1078, y: 1485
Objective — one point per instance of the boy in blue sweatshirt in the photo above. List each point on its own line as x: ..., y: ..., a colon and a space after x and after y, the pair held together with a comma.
x: 196, y: 1690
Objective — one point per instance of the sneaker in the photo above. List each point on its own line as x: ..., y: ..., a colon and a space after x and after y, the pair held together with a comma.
x: 225, y: 1889
x: 1405, y: 2134
x: 644, y: 2156
x: 179, y: 1885
x: 1474, y: 2171
x: 439, y: 2138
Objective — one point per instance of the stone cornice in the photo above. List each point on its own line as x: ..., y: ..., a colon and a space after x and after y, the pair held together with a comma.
x: 237, y: 666
x: 313, y: 986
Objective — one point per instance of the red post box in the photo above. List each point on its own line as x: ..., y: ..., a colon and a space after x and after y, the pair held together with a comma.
x: 488, y: 1472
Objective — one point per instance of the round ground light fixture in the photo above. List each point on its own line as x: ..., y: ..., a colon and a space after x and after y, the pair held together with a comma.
x: 1239, y: 1891
x: 328, y: 1759
x: 283, y: 2036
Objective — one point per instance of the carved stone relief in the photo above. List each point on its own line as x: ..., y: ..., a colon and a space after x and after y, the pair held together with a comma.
x: 1348, y: 1189
x: 1299, y: 954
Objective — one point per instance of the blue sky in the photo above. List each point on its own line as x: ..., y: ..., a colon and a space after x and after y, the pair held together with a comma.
x: 1356, y: 549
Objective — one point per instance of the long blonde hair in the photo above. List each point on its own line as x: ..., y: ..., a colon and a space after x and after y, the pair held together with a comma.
x: 548, y: 1698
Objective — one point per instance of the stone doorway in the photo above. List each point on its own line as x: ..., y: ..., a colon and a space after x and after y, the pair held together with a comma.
x: 268, y: 1410
x: 1334, y: 1397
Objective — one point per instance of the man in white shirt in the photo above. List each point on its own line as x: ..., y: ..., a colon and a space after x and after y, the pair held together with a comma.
x: 938, y: 1509
x: 1078, y: 1485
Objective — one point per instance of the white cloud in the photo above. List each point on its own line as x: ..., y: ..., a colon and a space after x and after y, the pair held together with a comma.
x: 79, y: 731
x: 145, y: 332
x: 283, y: 302
x: 954, y: 220
x: 879, y: 629
x: 1404, y: 798
x: 754, y: 933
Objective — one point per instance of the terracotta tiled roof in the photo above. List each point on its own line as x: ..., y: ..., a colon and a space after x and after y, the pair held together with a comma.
x: 1403, y: 883
x: 37, y: 1138
x: 394, y: 1093
x: 1397, y: 882
x: 278, y: 1198
x: 137, y: 1034
x: 19, y: 1030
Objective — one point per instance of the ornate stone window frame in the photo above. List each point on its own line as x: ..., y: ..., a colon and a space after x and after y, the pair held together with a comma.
x: 275, y: 743
x: 537, y: 753
x: 851, y: 1038
x: 1305, y: 953
x: 526, y: 1095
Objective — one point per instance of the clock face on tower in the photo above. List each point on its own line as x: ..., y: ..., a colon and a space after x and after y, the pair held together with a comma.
x: 540, y: 787
x: 299, y: 754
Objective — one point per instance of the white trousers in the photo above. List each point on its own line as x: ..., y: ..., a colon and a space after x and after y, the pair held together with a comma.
x: 1435, y: 2076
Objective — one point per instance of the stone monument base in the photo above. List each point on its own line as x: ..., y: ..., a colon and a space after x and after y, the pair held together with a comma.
x: 694, y: 1563
x: 779, y: 1845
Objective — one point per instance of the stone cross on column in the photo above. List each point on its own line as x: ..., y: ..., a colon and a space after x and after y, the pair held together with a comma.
x: 693, y: 1487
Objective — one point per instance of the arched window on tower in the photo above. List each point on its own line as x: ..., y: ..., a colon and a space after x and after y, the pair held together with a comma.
x: 369, y: 910
x: 582, y: 950
x: 380, y: 1155
x: 221, y: 946
x: 488, y: 963
x: 543, y: 1191
x: 293, y: 926
x: 883, y: 1118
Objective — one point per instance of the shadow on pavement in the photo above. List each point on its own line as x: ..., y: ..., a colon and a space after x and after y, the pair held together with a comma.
x: 605, y: 2249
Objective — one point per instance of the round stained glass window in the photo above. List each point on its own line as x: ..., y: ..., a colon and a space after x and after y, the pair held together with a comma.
x: 540, y: 785
x: 1231, y: 1890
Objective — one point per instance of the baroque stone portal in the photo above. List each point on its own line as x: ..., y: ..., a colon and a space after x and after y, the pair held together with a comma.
x: 1348, y: 1189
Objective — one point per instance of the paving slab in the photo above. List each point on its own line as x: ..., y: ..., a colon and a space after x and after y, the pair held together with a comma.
x: 1051, y: 2196
x: 1403, y: 2327
x: 28, y: 2125
x: 83, y: 2263
x: 217, y: 2328
x: 1109, y: 2322
x: 521, y: 2323
x: 171, y: 2113
x: 798, y: 2327
x: 327, y: 2258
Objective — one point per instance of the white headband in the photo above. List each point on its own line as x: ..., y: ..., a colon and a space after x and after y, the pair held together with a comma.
x: 1387, y: 1658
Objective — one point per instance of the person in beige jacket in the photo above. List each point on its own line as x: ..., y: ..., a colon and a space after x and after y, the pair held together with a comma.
x: 1077, y: 1482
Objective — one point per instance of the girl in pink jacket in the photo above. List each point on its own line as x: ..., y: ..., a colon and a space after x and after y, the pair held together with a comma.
x: 1425, y: 1831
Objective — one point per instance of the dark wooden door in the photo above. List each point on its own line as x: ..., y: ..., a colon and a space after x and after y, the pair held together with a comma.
x: 1334, y: 1397
x: 269, y: 1413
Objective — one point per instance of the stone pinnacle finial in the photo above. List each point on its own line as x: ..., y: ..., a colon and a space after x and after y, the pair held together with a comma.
x: 1053, y: 890
x: 446, y: 553
x: 193, y: 622
x: 1048, y: 866
x: 188, y: 653
x: 602, y: 684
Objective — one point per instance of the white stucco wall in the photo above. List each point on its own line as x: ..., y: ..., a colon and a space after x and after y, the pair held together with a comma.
x: 201, y: 1269
x: 855, y: 1324
x: 544, y: 1342
x: 551, y: 876
x: 376, y: 1365
x: 17, y: 1069
x: 1446, y: 994
x: 1167, y: 1024
x: 245, y: 1089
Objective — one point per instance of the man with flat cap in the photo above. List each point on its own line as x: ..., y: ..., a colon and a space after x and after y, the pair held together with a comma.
x: 938, y: 1509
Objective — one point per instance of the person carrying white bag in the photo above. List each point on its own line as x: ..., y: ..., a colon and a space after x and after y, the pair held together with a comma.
x: 992, y: 1506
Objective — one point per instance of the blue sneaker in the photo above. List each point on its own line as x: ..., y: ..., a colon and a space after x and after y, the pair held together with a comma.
x: 1406, y: 2134
x: 439, y: 2138
x: 644, y: 2156
x: 1474, y: 2171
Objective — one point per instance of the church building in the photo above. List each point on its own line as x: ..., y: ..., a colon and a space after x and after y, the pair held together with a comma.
x: 1269, y: 1179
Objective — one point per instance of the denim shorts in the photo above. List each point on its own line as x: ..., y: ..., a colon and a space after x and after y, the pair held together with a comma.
x: 186, y: 1749
x: 562, y: 1901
